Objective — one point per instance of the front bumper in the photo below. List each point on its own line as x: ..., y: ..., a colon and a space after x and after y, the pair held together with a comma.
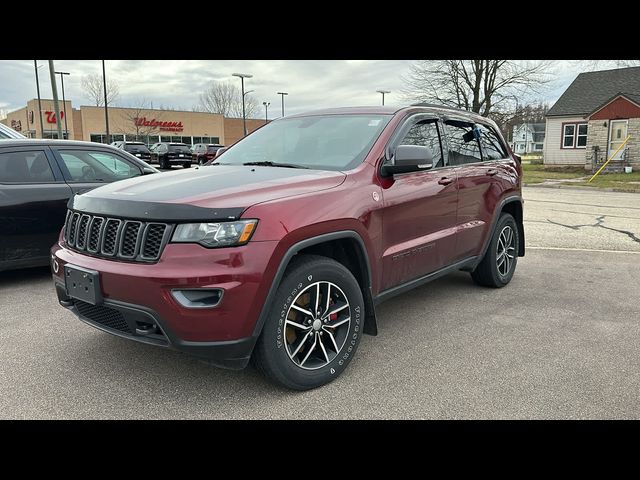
x: 138, y: 303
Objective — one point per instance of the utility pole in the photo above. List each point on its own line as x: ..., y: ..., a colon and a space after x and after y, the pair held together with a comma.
x: 266, y: 111
x: 282, y: 94
x: 64, y: 104
x: 35, y: 64
x: 54, y: 88
x: 106, y: 111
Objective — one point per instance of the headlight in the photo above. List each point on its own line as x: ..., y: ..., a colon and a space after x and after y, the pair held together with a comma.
x: 220, y: 234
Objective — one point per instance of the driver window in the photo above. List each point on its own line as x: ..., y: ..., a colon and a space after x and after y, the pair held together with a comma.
x: 426, y: 133
x: 87, y: 166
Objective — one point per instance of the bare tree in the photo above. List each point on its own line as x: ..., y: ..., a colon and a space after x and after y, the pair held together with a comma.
x: 225, y: 98
x: 92, y: 87
x: 134, y: 124
x: 481, y: 86
x: 3, y: 113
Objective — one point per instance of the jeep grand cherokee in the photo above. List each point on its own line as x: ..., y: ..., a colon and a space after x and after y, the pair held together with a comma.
x: 280, y: 251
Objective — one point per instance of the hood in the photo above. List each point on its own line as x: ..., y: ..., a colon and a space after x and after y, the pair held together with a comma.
x: 221, y: 191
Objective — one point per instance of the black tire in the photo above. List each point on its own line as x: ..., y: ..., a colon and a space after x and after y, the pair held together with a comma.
x: 488, y: 273
x: 186, y: 165
x: 272, y: 352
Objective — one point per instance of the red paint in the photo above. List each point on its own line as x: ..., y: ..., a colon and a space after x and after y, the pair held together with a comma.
x: 51, y: 116
x: 161, y: 125
x: 619, y: 108
x: 418, y: 225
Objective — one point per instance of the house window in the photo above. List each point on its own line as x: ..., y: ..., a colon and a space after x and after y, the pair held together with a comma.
x: 574, y: 135
x: 581, y: 141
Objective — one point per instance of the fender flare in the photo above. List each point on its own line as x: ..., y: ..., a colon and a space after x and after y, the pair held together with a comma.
x: 370, y: 325
x: 494, y: 221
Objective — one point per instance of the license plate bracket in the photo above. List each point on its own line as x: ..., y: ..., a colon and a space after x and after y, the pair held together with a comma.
x: 83, y: 284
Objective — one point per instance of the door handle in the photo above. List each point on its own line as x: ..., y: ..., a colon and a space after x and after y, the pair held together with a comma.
x: 445, y: 181
x: 492, y: 172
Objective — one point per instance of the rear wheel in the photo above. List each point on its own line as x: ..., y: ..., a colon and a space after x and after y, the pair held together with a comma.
x: 314, y: 326
x: 164, y: 164
x: 499, y: 262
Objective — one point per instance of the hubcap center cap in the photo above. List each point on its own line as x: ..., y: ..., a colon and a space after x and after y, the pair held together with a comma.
x: 317, y: 324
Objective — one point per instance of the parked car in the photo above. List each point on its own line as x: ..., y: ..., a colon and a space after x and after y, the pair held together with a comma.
x: 282, y: 250
x: 204, y: 152
x: 37, y: 178
x: 9, y: 133
x: 167, y: 154
x: 137, y: 149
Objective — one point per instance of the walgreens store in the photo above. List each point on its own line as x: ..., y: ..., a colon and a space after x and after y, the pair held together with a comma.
x: 133, y: 124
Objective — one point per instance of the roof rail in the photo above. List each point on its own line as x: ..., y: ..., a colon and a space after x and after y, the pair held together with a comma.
x: 435, y: 105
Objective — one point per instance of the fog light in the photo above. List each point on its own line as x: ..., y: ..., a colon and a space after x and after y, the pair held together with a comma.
x: 54, y: 264
x: 198, y: 297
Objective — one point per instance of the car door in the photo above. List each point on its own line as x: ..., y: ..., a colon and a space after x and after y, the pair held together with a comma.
x: 419, y: 210
x: 85, y: 168
x: 477, y: 181
x: 33, y: 205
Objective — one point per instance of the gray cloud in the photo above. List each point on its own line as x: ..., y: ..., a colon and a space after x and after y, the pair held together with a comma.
x: 177, y: 83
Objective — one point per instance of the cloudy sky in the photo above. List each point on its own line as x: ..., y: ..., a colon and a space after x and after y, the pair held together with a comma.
x: 311, y: 83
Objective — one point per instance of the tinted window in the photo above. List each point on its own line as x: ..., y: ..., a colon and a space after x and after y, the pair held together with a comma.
x: 492, y: 148
x: 25, y: 167
x: 212, y: 149
x: 179, y: 148
x: 425, y: 133
x: 136, y: 148
x: 463, y: 146
x: 86, y: 166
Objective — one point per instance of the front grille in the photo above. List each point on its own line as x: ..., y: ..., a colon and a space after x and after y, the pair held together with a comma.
x: 130, y: 240
x: 105, y: 316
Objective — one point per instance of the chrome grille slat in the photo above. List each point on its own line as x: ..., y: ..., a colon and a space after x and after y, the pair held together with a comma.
x: 131, y: 240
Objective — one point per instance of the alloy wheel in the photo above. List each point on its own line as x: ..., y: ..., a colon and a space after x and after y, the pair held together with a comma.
x: 317, y: 325
x: 505, y: 251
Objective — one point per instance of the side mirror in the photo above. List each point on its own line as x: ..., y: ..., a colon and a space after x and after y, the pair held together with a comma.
x: 220, y: 151
x: 148, y: 170
x: 409, y: 158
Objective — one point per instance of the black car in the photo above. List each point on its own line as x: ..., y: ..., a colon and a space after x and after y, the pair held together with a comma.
x: 37, y: 178
x: 137, y: 149
x: 167, y: 154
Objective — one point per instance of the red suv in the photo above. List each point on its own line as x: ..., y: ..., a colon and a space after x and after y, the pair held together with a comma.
x: 204, y: 152
x: 280, y: 251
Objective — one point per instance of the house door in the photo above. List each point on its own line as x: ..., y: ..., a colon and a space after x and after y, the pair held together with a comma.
x: 617, y: 136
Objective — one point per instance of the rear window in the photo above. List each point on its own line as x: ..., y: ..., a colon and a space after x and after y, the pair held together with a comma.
x: 136, y: 147
x: 179, y: 148
x: 212, y: 149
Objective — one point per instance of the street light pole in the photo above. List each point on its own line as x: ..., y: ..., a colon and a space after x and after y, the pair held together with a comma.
x: 244, y: 117
x: 54, y: 88
x: 64, y: 104
x: 106, y: 111
x: 35, y: 64
x: 283, y: 94
x: 266, y: 111
x: 383, y: 92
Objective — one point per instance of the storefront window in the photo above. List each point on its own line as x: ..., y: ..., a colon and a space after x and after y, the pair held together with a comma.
x: 164, y: 138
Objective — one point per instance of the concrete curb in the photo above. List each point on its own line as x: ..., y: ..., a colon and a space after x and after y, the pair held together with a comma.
x: 573, y: 187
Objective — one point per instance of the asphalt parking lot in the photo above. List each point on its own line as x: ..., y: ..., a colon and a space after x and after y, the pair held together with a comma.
x: 561, y: 341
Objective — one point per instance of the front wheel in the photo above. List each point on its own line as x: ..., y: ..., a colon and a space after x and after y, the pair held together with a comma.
x: 314, y: 326
x: 499, y: 262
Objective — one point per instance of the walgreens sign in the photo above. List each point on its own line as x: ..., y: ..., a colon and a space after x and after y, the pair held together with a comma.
x: 164, y: 126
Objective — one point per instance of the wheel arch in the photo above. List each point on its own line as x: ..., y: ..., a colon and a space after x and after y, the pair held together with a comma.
x: 512, y: 205
x: 346, y: 247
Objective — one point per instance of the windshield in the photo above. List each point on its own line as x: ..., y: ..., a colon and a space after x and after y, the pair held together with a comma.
x: 323, y: 142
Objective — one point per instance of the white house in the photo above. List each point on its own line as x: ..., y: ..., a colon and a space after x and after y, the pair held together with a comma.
x: 528, y: 138
x: 593, y: 117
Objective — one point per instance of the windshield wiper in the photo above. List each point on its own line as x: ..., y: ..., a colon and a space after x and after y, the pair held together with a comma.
x: 267, y: 163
